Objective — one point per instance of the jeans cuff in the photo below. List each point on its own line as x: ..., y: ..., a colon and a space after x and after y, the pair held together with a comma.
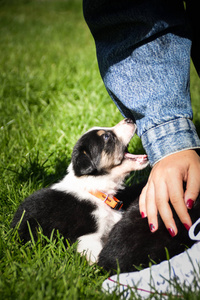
x: 168, y: 138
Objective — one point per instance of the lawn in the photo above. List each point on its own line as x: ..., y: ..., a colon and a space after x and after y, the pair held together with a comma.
x: 50, y: 93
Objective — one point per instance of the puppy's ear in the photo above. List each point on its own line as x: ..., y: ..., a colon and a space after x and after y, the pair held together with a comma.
x: 82, y: 163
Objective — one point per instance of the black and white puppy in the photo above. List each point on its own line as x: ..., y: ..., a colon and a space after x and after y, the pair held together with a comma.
x: 74, y: 205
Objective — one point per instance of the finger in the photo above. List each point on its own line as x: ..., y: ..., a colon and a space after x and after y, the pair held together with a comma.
x: 176, y: 194
x: 162, y: 201
x: 192, y: 187
x: 142, y: 202
x: 142, y: 199
x: 151, y: 208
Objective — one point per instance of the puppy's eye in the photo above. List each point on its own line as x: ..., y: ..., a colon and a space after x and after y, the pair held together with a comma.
x: 106, y: 136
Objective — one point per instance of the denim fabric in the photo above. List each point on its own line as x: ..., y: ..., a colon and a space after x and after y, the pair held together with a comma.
x: 143, y: 51
x: 170, y: 137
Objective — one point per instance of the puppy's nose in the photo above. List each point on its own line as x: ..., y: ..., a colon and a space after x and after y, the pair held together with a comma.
x: 128, y: 120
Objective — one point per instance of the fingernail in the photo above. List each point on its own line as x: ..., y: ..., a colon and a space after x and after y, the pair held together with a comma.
x: 171, y: 232
x: 189, y: 203
x: 151, y: 227
x: 143, y: 215
x: 186, y: 226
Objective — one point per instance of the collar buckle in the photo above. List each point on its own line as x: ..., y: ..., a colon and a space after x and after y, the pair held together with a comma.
x: 111, y: 201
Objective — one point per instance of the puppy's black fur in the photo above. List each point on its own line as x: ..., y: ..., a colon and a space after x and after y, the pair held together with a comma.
x: 131, y: 244
x: 52, y: 209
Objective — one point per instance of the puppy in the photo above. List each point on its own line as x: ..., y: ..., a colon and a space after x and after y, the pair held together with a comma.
x: 131, y: 244
x: 82, y: 206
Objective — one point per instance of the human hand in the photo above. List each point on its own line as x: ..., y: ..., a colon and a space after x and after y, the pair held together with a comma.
x: 165, y: 184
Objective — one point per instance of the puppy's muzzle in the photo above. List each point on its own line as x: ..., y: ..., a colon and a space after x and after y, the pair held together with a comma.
x: 125, y: 130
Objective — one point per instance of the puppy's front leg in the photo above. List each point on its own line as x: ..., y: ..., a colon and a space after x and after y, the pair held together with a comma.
x: 90, y: 245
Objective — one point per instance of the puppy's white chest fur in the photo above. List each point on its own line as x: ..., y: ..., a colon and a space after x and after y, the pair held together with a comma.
x: 104, y: 216
x: 92, y: 244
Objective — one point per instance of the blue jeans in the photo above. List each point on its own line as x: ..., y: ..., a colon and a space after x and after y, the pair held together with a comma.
x: 143, y: 50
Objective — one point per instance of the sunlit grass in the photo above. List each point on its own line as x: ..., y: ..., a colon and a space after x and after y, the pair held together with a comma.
x: 50, y: 93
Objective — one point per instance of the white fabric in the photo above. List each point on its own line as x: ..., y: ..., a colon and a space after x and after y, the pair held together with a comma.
x: 183, y: 269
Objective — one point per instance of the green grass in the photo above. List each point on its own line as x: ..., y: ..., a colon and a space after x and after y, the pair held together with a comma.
x: 50, y: 93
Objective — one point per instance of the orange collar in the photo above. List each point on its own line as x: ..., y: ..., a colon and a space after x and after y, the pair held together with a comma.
x: 111, y: 201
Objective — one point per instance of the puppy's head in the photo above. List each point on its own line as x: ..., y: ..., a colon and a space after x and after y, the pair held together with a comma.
x: 101, y: 149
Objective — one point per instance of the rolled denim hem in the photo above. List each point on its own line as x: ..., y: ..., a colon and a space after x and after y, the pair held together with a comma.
x: 171, y: 137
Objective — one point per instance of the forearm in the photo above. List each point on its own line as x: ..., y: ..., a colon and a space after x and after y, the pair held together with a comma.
x: 143, y: 52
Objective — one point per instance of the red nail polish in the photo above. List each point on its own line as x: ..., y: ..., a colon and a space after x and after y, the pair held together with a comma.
x: 151, y: 227
x: 186, y: 226
x: 189, y: 203
x: 143, y: 215
x: 171, y: 232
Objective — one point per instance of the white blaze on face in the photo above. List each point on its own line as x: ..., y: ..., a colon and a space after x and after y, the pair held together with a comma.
x: 124, y: 131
